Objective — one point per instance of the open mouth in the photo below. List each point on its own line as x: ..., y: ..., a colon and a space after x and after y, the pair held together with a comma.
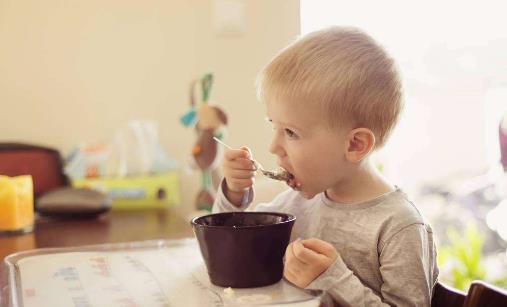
x: 290, y: 179
x: 293, y: 183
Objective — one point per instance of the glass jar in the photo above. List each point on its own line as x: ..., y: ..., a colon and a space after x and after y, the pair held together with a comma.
x: 16, y: 204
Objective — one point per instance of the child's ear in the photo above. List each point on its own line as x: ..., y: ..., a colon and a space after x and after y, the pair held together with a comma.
x: 360, y: 142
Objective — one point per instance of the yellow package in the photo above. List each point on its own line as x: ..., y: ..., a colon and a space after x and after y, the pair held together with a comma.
x: 137, y: 192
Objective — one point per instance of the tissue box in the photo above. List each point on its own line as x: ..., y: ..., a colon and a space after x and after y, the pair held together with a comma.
x: 137, y: 192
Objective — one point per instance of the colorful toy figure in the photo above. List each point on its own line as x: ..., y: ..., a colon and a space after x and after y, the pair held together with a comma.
x: 209, y: 121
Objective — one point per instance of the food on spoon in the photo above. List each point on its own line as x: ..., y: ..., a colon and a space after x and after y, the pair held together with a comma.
x: 279, y: 174
x: 282, y: 174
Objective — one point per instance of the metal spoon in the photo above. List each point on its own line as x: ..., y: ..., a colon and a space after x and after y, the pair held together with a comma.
x: 280, y: 174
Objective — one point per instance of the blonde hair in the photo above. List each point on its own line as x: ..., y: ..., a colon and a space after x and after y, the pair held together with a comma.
x: 352, y: 78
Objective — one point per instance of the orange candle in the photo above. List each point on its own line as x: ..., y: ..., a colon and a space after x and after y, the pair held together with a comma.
x: 16, y: 204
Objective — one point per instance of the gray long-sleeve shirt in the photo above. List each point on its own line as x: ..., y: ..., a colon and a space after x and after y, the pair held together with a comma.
x: 387, y: 253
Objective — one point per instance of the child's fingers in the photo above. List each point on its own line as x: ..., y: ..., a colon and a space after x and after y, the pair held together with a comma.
x: 231, y: 154
x: 247, y: 150
x: 320, y: 247
x: 291, y: 261
x: 239, y: 174
x: 292, y: 277
x: 304, y: 254
x: 237, y: 185
x: 289, y: 255
x: 288, y: 252
x: 293, y: 268
x: 240, y: 164
x: 292, y: 272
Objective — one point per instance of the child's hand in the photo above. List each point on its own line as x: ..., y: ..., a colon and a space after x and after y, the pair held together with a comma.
x: 239, y: 173
x: 305, y: 260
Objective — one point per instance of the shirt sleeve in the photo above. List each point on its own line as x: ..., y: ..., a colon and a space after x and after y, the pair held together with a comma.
x: 222, y: 204
x: 407, y: 268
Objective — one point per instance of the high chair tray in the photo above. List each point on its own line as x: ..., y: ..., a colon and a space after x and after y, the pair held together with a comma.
x: 147, y: 273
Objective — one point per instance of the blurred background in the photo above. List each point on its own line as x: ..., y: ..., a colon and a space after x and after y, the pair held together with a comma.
x: 74, y: 73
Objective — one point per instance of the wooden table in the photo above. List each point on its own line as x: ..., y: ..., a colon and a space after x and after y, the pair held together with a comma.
x: 112, y: 227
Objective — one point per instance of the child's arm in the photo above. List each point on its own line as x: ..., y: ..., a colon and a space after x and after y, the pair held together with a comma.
x: 282, y: 202
x: 235, y: 192
x: 239, y: 172
x: 222, y: 203
x: 407, y: 267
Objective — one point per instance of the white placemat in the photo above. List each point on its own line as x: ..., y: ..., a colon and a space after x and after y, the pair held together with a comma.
x: 159, y: 275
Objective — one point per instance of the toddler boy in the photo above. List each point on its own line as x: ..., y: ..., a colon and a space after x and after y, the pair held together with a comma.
x: 333, y: 97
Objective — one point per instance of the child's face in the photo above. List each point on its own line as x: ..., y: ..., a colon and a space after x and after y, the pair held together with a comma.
x: 306, y: 147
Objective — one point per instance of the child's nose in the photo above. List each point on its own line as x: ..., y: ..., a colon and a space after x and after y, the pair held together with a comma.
x: 276, y: 148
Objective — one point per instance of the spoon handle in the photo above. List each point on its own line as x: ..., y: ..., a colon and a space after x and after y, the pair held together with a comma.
x: 256, y: 164
x: 220, y: 142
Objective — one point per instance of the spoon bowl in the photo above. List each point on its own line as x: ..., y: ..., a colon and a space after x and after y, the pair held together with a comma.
x: 280, y: 174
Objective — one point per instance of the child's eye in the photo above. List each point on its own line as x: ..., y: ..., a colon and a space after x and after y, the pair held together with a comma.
x: 290, y: 133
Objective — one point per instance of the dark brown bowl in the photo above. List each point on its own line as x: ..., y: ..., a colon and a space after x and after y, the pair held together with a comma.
x: 244, y: 249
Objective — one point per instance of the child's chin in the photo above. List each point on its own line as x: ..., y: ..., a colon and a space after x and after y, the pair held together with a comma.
x: 306, y: 194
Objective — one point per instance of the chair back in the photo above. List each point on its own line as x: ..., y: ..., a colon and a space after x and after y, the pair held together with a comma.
x: 485, y: 295
x: 444, y: 295
x: 44, y: 164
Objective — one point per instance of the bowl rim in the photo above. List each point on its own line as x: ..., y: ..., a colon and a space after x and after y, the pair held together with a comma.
x: 291, y: 219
